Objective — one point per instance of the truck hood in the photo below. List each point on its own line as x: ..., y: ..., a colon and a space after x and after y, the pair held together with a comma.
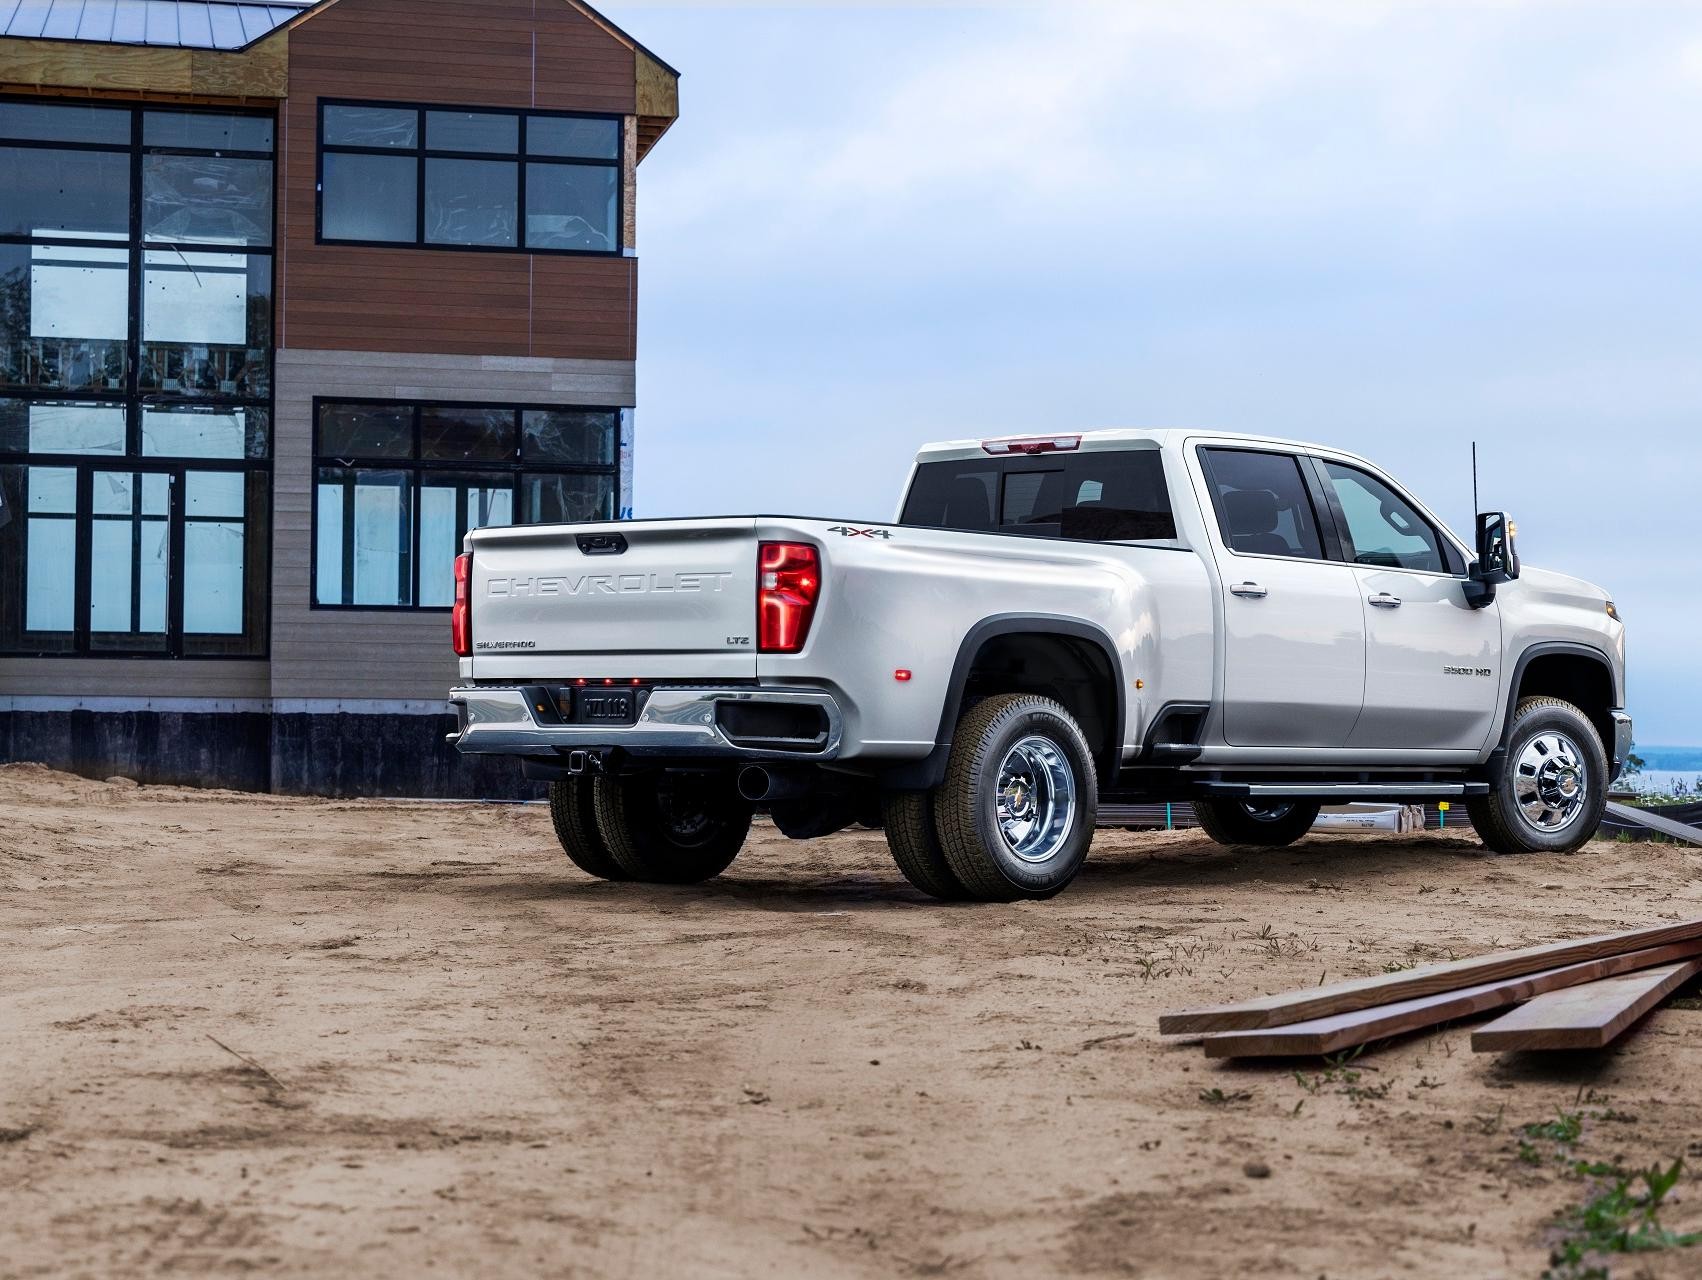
x: 1547, y: 585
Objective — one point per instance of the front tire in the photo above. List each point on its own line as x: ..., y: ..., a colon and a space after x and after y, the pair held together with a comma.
x: 573, y: 813
x: 1552, y: 791
x: 672, y: 827
x: 1016, y: 812
x: 1267, y: 825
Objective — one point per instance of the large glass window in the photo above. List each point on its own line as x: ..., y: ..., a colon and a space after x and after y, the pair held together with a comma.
x: 1263, y: 507
x: 469, y: 179
x: 206, y: 324
x: 135, y: 379
x: 199, y: 199
x: 67, y: 193
x: 1104, y: 495
x: 64, y: 317
x: 1383, y: 529
x: 397, y: 486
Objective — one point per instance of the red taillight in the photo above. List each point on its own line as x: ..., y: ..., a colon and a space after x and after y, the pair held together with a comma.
x: 461, y: 616
x: 788, y: 586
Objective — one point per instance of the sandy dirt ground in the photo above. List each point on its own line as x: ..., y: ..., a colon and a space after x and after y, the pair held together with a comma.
x: 246, y: 1034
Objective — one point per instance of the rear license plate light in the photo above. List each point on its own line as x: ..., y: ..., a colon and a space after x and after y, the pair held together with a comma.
x: 593, y: 703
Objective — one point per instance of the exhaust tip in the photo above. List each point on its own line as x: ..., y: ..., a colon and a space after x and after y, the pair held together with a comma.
x: 755, y: 782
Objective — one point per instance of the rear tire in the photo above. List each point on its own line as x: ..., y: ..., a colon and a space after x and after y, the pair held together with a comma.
x: 1016, y: 811
x: 1552, y: 791
x: 672, y: 827
x: 573, y: 812
x: 1262, y: 825
x: 909, y: 822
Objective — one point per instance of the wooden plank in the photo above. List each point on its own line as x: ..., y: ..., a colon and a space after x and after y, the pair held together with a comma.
x: 79, y: 65
x: 1363, y: 993
x: 1344, y: 1030
x: 259, y: 72
x: 1588, y: 1016
x: 1655, y: 822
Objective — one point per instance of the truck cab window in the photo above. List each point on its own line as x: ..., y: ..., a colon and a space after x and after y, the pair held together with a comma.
x: 1262, y: 504
x: 1113, y: 495
x: 1383, y: 528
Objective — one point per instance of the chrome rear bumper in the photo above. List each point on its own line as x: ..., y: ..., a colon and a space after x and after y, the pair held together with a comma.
x: 500, y: 720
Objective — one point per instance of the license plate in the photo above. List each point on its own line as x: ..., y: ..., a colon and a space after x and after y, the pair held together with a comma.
x: 605, y: 706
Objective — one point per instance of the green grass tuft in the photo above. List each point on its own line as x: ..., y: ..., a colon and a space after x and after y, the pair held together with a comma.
x: 1618, y: 1218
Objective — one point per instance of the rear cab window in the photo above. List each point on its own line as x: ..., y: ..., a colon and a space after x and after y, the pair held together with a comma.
x: 1263, y: 504
x: 1102, y: 495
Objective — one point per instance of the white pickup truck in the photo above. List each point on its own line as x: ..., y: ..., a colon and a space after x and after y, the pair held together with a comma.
x: 1254, y: 626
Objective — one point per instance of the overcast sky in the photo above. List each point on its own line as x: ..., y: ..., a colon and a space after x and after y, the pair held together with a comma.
x: 1391, y: 227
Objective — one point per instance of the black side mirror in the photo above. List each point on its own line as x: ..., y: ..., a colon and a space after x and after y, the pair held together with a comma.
x: 1497, y: 556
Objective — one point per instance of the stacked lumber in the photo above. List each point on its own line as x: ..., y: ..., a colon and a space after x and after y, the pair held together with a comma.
x: 1580, y: 994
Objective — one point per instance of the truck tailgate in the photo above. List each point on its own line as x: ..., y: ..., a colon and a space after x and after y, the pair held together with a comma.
x: 670, y: 596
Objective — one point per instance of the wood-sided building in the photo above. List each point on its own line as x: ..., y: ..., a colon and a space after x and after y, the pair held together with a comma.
x: 291, y: 296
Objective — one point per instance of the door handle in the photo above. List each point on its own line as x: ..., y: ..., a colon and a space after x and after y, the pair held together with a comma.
x: 1383, y: 600
x: 1248, y: 590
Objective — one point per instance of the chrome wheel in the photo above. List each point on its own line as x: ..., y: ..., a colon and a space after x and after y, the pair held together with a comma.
x: 1268, y: 810
x: 1036, y: 800
x: 1550, y: 782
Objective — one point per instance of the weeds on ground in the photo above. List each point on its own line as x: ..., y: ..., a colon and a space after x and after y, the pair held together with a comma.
x: 1562, y: 1131
x: 1487, y: 1125
x: 1291, y: 947
x: 1618, y: 1218
x: 1218, y: 1098
x: 1347, y: 1079
x: 1561, y: 1135
x: 1175, y: 958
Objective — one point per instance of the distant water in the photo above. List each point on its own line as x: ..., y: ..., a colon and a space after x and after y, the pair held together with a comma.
x: 1666, y: 767
x: 1665, y: 780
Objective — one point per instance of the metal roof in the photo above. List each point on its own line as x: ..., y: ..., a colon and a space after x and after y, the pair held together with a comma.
x: 174, y: 24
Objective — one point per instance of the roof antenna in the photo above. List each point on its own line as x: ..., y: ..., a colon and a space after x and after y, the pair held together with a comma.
x: 1475, y: 507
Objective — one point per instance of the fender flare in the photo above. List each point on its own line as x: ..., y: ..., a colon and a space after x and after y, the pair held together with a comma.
x: 1546, y: 649
x: 929, y: 772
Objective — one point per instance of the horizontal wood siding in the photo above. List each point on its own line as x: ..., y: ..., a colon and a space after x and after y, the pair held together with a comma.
x: 375, y: 654
x: 502, y: 53
x: 133, y: 678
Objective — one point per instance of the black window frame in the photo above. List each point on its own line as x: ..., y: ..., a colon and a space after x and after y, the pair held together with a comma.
x: 420, y: 152
x: 513, y: 469
x: 136, y: 400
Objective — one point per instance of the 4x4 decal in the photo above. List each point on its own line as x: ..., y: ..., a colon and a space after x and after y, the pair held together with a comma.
x: 847, y: 531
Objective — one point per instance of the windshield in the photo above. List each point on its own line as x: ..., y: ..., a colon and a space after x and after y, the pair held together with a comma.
x: 1102, y: 496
